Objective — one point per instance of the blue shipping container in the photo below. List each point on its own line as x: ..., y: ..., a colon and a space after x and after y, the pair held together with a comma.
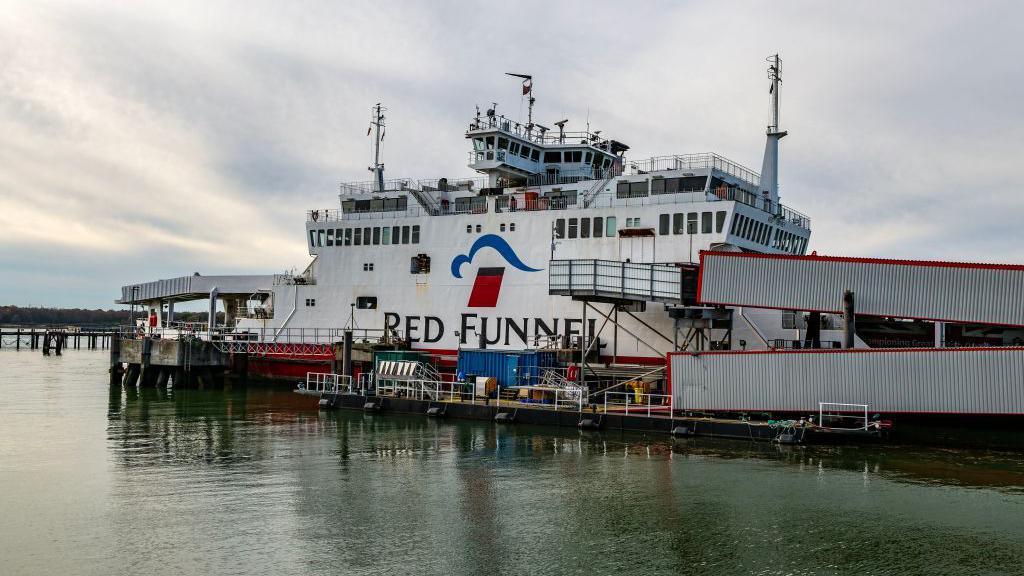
x: 509, y: 367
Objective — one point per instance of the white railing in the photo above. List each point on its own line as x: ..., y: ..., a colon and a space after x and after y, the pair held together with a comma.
x: 638, y: 403
x: 847, y: 414
x: 325, y: 383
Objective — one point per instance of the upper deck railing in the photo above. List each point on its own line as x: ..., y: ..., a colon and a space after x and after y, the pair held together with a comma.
x: 694, y: 162
x: 537, y: 135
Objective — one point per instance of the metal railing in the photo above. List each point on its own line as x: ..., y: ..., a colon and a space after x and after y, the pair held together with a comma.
x: 845, y: 414
x: 639, y: 403
x: 615, y: 279
x: 326, y: 383
x: 698, y: 161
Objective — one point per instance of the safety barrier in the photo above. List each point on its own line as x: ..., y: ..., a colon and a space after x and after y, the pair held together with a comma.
x: 328, y: 383
x: 637, y: 403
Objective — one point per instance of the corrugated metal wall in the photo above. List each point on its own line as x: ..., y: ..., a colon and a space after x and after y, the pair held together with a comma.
x: 524, y: 369
x: 960, y: 381
x: 984, y: 294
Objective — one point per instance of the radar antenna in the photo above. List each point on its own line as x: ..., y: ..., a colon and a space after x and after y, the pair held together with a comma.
x: 561, y: 129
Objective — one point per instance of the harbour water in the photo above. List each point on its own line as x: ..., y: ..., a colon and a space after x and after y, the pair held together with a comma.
x: 256, y: 481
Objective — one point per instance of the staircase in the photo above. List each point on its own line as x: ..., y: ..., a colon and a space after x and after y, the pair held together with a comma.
x: 426, y: 201
x: 590, y: 195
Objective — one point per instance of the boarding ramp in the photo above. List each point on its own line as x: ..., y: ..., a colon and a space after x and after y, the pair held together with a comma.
x: 618, y: 281
x: 923, y: 290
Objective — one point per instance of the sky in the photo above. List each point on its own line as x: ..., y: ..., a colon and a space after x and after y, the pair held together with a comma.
x: 144, y: 140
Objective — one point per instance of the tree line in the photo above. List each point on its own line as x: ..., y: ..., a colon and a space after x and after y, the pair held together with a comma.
x: 35, y: 316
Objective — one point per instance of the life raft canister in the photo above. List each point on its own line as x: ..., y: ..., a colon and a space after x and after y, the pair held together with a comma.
x: 571, y: 373
x: 152, y: 319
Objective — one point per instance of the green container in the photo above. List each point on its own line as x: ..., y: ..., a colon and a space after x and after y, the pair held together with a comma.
x: 398, y: 356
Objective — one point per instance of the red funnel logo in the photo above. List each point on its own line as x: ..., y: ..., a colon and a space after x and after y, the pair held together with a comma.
x: 486, y: 288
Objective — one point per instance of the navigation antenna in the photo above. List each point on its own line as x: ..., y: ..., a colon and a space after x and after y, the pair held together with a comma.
x: 770, y: 164
x: 378, y: 168
x: 527, y: 91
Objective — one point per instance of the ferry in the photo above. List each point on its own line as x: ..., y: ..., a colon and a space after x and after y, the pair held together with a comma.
x: 448, y: 263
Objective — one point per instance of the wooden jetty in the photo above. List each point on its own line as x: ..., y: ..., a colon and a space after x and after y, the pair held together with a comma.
x: 56, y: 339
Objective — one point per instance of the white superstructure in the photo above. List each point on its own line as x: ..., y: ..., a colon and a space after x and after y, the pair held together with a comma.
x: 447, y: 262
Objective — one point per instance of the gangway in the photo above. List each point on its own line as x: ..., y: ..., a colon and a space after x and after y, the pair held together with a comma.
x: 619, y: 281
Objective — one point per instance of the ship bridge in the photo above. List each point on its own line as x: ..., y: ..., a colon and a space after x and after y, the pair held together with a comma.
x: 509, y: 151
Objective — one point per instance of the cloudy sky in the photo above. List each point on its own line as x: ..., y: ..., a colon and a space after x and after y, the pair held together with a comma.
x: 153, y: 139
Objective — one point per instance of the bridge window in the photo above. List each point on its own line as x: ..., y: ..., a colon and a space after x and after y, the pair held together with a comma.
x: 513, y: 148
x: 552, y: 157
x: 705, y: 222
x: 609, y: 226
x: 663, y: 223
x: 416, y: 234
x: 560, y: 228
x: 657, y: 186
x: 478, y: 144
x: 574, y: 156
x: 719, y: 221
x: 524, y: 152
x: 584, y: 227
x: 502, y: 143
x: 572, y: 227
x: 607, y: 162
x: 535, y: 155
x: 490, y: 142
x: 691, y: 223
x: 588, y: 157
x: 598, y: 226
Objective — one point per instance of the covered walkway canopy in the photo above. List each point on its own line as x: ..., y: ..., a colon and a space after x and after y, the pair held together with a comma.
x: 915, y: 289
x: 184, y: 288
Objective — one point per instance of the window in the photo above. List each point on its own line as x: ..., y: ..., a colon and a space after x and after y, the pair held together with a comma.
x: 552, y: 157
x: 691, y: 223
x: 338, y: 234
x: 348, y: 236
x: 677, y: 223
x: 524, y: 152
x: 501, y: 227
x: 584, y: 227
x: 502, y: 143
x: 663, y: 223
x: 416, y: 234
x: 719, y: 221
x: 330, y: 236
x: 658, y: 186
x: 560, y: 228
x: 638, y: 189
x: 512, y: 227
x: 588, y: 157
x: 478, y: 228
x: 469, y: 228
x: 705, y: 222
x: 366, y: 236
x: 396, y: 235
x: 572, y: 227
x: 312, y: 239
x: 320, y: 238
x: 310, y: 301
x: 535, y: 155
x: 574, y: 156
x: 598, y: 226
x: 366, y: 302
x: 359, y: 236
x: 609, y: 226
x: 513, y: 148
x: 405, y: 234
x: 367, y: 266
x: 385, y: 236
x: 376, y: 235
x: 490, y: 142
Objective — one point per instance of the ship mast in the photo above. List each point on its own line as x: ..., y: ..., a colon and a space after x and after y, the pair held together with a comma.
x: 770, y: 164
x: 378, y: 168
x: 528, y: 92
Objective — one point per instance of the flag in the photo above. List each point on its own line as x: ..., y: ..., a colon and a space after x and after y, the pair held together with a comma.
x: 527, y: 86
x: 771, y: 88
x: 368, y: 128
